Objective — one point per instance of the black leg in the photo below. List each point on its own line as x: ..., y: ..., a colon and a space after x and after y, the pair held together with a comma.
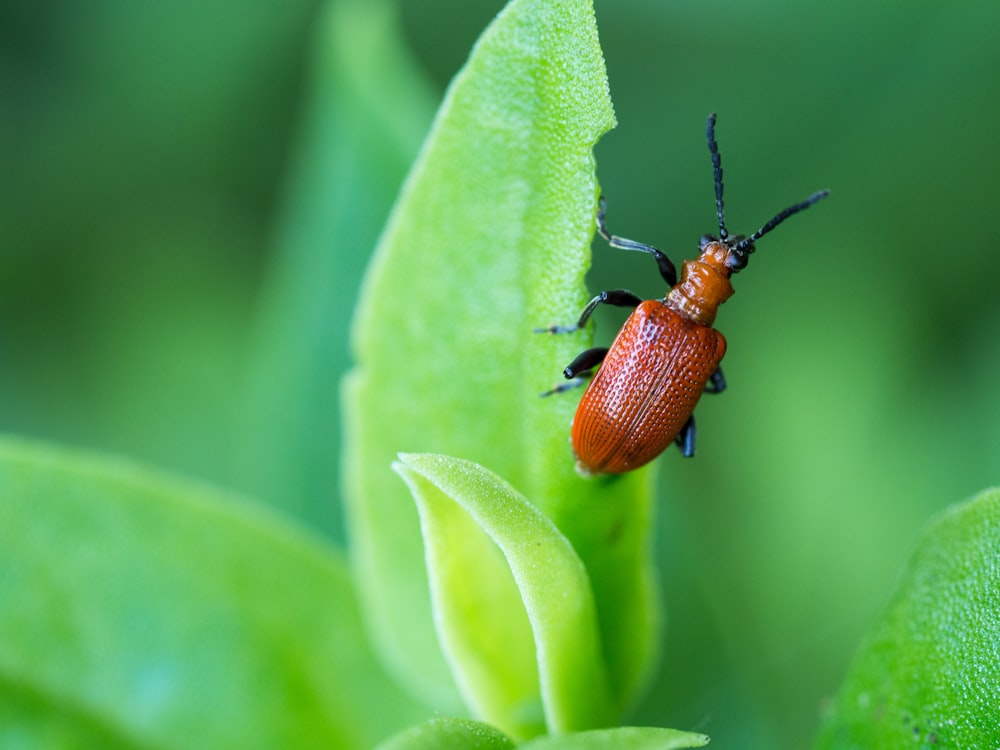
x: 685, y: 438
x: 616, y: 297
x: 577, y: 371
x: 717, y: 383
x: 585, y: 362
x: 666, y: 266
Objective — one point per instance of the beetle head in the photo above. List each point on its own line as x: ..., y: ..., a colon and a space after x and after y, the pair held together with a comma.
x: 731, y: 253
x: 737, y: 248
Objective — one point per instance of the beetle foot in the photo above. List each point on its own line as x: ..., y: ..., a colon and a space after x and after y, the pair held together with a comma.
x: 561, y: 387
x: 558, y: 329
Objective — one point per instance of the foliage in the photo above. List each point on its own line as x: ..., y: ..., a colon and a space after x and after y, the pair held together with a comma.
x: 487, y: 242
x: 142, y: 611
x: 928, y: 674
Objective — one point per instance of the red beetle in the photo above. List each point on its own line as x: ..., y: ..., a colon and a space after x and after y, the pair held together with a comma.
x: 667, y: 353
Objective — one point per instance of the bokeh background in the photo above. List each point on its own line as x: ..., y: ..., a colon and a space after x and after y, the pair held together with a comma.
x: 189, y: 193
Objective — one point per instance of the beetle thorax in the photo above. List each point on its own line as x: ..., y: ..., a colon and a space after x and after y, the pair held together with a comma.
x: 704, y: 285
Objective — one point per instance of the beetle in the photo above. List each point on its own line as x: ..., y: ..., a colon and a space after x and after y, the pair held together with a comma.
x: 667, y: 353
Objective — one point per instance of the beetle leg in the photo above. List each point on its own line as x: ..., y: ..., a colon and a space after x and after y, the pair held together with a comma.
x: 579, y: 369
x: 717, y: 383
x: 667, y: 269
x: 567, y: 386
x: 616, y: 297
x: 585, y: 362
x: 685, y: 438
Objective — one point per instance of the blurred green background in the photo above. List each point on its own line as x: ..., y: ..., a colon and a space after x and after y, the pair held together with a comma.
x: 189, y: 193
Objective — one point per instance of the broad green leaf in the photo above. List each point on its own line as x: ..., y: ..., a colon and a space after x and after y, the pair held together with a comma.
x: 928, y: 675
x: 469, y: 516
x: 489, y: 240
x: 140, y: 611
x: 621, y: 738
x: 449, y: 734
x: 367, y: 111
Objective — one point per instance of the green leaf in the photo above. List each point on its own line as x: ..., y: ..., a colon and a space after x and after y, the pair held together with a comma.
x: 449, y: 734
x: 140, y: 611
x: 621, y: 738
x: 490, y: 240
x: 467, y: 514
x: 928, y: 675
x: 367, y: 112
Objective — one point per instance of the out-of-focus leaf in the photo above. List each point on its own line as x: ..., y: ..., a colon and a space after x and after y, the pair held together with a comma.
x: 449, y: 734
x: 489, y: 240
x: 928, y: 675
x: 368, y: 110
x: 139, y: 147
x: 140, y: 611
x: 505, y: 663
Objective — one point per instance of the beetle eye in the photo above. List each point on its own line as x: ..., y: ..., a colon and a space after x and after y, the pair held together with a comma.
x: 706, y: 238
x: 736, y: 261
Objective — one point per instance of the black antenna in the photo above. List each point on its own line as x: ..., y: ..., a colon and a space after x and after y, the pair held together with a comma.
x: 713, y: 147
x: 782, y: 215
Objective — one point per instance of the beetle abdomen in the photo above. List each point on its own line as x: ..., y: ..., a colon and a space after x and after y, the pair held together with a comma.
x: 645, y: 390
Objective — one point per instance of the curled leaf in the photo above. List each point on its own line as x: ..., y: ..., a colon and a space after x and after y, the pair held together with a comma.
x: 503, y: 666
